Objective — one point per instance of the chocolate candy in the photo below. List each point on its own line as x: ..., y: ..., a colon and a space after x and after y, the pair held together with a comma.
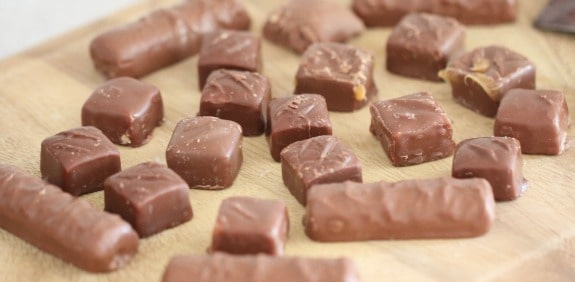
x: 342, y: 74
x: 410, y: 209
x: 227, y: 49
x: 557, y: 16
x: 126, y: 110
x: 249, y: 226
x: 163, y: 37
x: 206, y: 152
x: 298, y: 24
x: 62, y: 225
x: 496, y: 159
x: 221, y: 267
x: 150, y: 196
x: 79, y: 160
x: 412, y: 129
x: 390, y: 12
x: 239, y: 96
x: 539, y: 119
x: 321, y: 159
x: 480, y: 78
x: 422, y: 44
x: 296, y: 118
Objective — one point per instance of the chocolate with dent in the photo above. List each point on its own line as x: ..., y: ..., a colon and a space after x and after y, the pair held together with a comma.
x: 150, y: 196
x: 300, y: 23
x: 342, y: 74
x: 239, y: 96
x: 558, y: 15
x: 79, y: 160
x: 294, y: 118
x: 411, y: 209
x: 412, y: 129
x: 496, y: 159
x: 469, y: 12
x: 126, y: 110
x: 480, y: 78
x: 62, y: 225
x: 206, y: 152
x: 222, y: 267
x: 539, y: 119
x: 422, y: 44
x: 317, y: 160
x: 246, y: 225
x: 163, y: 37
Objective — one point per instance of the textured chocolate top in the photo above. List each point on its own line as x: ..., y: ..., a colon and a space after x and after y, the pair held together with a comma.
x: 558, y: 15
x: 239, y: 87
x: 231, y: 49
x: 298, y: 111
x: 261, y: 268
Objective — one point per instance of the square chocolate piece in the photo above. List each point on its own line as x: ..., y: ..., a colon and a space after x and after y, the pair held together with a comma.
x: 239, y: 96
x: 558, y: 15
x: 248, y: 225
x: 422, y: 44
x: 539, y: 119
x: 496, y: 159
x: 126, y: 110
x: 412, y: 129
x: 296, y: 118
x: 298, y: 24
x: 227, y: 49
x: 150, y: 196
x: 342, y: 74
x: 79, y: 160
x: 480, y: 78
x: 206, y: 152
x: 318, y: 160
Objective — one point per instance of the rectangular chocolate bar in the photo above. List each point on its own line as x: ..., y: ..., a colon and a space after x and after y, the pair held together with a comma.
x: 411, y: 209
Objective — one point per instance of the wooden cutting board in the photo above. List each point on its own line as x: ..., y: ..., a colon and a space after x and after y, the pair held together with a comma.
x: 43, y: 89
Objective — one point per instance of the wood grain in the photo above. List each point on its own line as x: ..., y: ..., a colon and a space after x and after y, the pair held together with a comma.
x: 43, y: 89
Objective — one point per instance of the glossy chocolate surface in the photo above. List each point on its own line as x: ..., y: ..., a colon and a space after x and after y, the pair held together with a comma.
x: 222, y: 267
x: 62, y: 225
x: 294, y: 118
x: 558, y: 15
x: 239, y: 96
x: 412, y: 129
x: 206, y: 152
x: 246, y: 225
x: 480, y: 77
x: 321, y: 159
x: 150, y: 196
x: 163, y: 37
x: 300, y: 23
x: 422, y: 44
x: 79, y: 160
x: 539, y: 119
x: 126, y: 110
x: 341, y: 73
x: 412, y: 209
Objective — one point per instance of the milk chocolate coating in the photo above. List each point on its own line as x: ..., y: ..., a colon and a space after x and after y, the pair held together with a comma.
x: 126, y: 110
x: 469, y: 12
x: 412, y: 209
x: 79, y: 160
x: 221, y: 267
x: 300, y: 23
x: 250, y: 226
x: 496, y: 159
x: 163, y: 37
x: 342, y: 74
x: 412, y: 129
x: 294, y: 118
x: 422, y: 44
x: 239, y: 96
x: 228, y: 49
x: 206, y: 152
x: 480, y: 78
x: 150, y: 196
x: 66, y: 227
x: 539, y: 119
x: 557, y: 16
x: 321, y: 159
